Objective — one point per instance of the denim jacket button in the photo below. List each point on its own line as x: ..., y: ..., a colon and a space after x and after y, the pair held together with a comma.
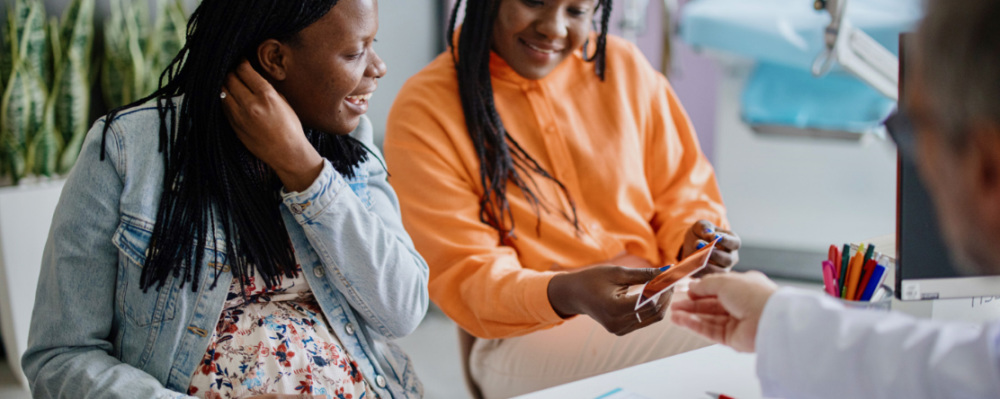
x: 318, y: 272
x: 380, y: 381
x: 296, y: 209
x: 349, y: 328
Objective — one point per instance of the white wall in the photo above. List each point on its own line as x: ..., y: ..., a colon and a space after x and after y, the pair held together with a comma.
x: 410, y: 35
x: 800, y: 193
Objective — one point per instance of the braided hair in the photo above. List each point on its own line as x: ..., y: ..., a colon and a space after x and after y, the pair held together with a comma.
x: 212, y: 182
x: 501, y: 158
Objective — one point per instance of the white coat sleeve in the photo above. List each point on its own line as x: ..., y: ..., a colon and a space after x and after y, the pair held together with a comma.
x: 810, y: 346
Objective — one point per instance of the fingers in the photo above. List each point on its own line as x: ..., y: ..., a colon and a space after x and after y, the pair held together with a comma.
x: 644, y: 316
x: 704, y: 230
x: 631, y: 276
x: 648, y: 314
x: 707, y: 232
x: 710, y: 326
x: 708, y: 305
x: 728, y: 240
x: 710, y: 286
x: 228, y: 106
x: 253, y: 81
x: 723, y: 259
x: 236, y: 90
x: 742, y: 294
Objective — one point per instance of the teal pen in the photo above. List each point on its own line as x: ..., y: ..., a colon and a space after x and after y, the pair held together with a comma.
x: 869, y: 253
x: 845, y: 261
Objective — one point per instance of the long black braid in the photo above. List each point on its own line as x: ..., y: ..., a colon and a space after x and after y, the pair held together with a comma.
x: 501, y: 158
x: 212, y: 182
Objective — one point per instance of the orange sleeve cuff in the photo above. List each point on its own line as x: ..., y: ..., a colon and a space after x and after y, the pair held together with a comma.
x: 536, y: 299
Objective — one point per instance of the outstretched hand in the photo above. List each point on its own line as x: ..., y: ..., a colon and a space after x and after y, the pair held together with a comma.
x: 725, y: 308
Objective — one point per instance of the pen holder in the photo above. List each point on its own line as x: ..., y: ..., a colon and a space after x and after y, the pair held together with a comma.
x: 882, y: 303
x: 856, y: 273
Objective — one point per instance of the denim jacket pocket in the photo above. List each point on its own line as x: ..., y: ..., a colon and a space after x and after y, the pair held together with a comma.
x: 142, y: 309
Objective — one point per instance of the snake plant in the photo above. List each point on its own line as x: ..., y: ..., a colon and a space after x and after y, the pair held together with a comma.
x: 168, y: 37
x: 70, y: 97
x: 22, y: 108
x: 138, y: 52
x: 46, y: 74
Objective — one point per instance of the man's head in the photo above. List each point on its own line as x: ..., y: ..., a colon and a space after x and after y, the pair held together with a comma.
x: 953, y: 98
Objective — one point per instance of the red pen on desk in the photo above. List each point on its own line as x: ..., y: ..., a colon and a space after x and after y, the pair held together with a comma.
x: 719, y: 395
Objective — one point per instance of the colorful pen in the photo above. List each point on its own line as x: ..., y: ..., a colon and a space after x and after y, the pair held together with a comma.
x: 844, y: 261
x: 829, y: 283
x: 834, y: 257
x: 847, y: 271
x: 854, y: 273
x: 866, y: 275
x: 878, y: 274
x: 869, y: 253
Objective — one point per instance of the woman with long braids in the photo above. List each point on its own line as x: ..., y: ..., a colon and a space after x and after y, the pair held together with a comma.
x: 233, y: 234
x: 542, y: 169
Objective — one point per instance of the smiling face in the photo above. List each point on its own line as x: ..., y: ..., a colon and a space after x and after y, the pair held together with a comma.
x: 534, y: 36
x: 329, y: 70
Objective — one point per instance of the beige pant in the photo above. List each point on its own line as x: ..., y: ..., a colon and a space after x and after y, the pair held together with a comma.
x: 577, y: 349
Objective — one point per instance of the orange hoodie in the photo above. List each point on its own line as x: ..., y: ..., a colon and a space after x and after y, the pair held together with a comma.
x: 624, y: 148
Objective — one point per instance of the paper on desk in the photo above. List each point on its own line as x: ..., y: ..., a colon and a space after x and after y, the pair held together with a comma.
x: 667, y: 279
x: 619, y: 393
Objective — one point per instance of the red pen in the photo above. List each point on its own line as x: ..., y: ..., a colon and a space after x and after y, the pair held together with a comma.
x: 719, y: 395
x: 834, y: 257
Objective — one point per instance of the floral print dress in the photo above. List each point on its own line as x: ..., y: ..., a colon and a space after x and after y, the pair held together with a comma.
x: 276, y: 341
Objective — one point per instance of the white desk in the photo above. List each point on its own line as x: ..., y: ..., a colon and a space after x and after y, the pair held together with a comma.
x: 715, y: 368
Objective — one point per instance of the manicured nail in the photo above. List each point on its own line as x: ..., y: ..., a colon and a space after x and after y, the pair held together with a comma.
x: 709, y: 231
x: 664, y: 268
x: 718, y: 236
x: 700, y: 245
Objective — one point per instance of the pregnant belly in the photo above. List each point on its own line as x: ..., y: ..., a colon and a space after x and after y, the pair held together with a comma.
x: 276, y: 347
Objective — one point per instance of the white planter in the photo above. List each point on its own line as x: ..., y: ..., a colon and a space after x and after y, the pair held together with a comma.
x: 25, y: 217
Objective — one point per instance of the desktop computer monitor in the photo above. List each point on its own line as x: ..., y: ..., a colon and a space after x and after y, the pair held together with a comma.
x: 924, y: 268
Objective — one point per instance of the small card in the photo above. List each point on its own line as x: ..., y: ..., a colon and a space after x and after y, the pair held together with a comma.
x: 665, y: 280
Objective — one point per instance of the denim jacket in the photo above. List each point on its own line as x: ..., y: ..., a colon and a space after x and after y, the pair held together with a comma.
x: 95, y: 333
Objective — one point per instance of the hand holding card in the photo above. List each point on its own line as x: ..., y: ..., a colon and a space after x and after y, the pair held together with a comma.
x: 665, y: 280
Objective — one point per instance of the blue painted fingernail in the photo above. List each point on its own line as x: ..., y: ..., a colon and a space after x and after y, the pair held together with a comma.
x: 718, y: 236
x: 664, y: 268
x: 709, y: 231
x: 700, y: 245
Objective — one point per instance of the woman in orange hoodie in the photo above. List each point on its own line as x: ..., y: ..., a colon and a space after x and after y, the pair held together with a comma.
x: 543, y: 169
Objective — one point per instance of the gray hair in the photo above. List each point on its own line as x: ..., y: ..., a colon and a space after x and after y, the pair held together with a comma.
x: 959, y: 57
